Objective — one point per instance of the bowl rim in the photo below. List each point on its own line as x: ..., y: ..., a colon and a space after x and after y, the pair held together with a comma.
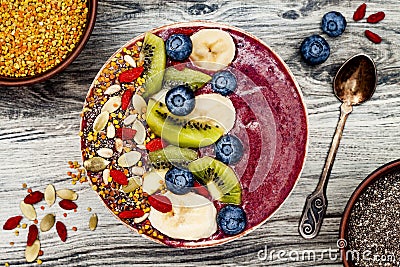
x: 26, y: 81
x: 344, y: 224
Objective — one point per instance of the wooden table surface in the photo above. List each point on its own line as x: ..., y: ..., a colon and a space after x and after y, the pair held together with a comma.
x: 39, y: 133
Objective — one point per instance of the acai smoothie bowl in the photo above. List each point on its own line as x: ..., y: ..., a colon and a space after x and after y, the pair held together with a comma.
x: 194, y: 134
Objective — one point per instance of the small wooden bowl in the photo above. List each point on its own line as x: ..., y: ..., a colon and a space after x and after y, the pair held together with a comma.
x: 343, y: 233
x: 8, y: 81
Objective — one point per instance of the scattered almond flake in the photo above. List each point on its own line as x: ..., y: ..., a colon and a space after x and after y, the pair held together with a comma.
x: 105, y: 152
x: 119, y: 144
x: 47, y: 222
x: 112, y: 89
x: 95, y: 164
x: 32, y: 252
x: 112, y: 104
x: 140, y: 135
x: 101, y: 121
x: 106, y: 175
x: 129, y: 159
x: 67, y: 194
x: 130, y: 119
x: 141, y: 219
x: 130, y: 61
x: 93, y: 222
x: 136, y: 170
x: 110, y: 131
x: 50, y: 195
x: 141, y: 147
x: 138, y: 103
x: 27, y: 210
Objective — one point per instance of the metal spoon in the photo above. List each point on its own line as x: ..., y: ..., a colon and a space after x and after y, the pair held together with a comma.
x: 354, y: 83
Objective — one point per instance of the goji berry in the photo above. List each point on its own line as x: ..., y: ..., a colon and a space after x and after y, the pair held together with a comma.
x: 375, y: 18
x: 373, y: 37
x: 34, y: 197
x: 119, y: 177
x: 67, y: 204
x: 359, y: 14
x: 130, y: 75
x: 155, y: 144
x: 32, y: 235
x: 129, y: 214
x: 12, y: 223
x: 61, y: 231
x: 126, y: 99
x: 125, y: 133
x: 160, y: 203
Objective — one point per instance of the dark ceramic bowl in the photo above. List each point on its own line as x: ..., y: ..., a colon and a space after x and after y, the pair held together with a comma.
x: 389, y: 168
x: 7, y: 81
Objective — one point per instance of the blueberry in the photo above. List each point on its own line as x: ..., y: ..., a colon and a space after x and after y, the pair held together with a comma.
x: 179, y: 181
x: 333, y: 24
x: 231, y: 219
x: 224, y: 82
x: 179, y: 47
x: 315, y: 50
x: 229, y: 149
x: 180, y: 100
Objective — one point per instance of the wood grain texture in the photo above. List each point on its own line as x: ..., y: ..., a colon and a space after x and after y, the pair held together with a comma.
x: 39, y: 127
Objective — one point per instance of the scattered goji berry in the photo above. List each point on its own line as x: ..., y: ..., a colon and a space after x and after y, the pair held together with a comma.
x: 67, y: 204
x: 129, y: 214
x: 12, y: 223
x: 375, y: 18
x: 119, y: 177
x: 359, y: 14
x: 130, y: 75
x: 373, y: 37
x: 155, y: 144
x: 126, y: 99
x: 160, y: 203
x: 61, y: 231
x: 34, y: 197
x: 32, y: 235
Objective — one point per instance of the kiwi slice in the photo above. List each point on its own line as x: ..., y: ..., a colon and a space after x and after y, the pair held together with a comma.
x: 180, y: 131
x: 172, y: 156
x: 220, y: 179
x: 153, y: 53
x: 193, y: 78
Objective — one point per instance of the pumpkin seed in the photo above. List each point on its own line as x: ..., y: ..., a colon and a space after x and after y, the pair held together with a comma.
x: 140, y: 135
x: 101, y: 121
x: 50, y: 195
x: 129, y: 159
x: 112, y: 89
x: 95, y: 164
x: 141, y: 219
x: 32, y: 252
x: 93, y: 222
x: 67, y: 194
x: 105, y: 152
x: 139, y: 104
x: 130, y: 61
x: 28, y: 211
x: 106, y: 175
x: 133, y: 183
x: 110, y: 131
x: 112, y: 104
x: 47, y: 222
x: 119, y: 144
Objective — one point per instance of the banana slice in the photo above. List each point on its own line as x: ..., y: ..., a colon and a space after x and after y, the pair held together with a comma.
x: 215, y: 107
x: 192, y: 217
x: 212, y: 49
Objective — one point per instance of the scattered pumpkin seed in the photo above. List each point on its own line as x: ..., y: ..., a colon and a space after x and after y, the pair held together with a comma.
x: 28, y: 210
x: 133, y: 184
x: 67, y: 194
x: 93, y: 222
x: 47, y: 222
x: 32, y: 252
x: 95, y: 164
x: 50, y: 195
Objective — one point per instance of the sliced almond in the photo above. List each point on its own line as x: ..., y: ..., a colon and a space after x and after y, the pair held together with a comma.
x: 152, y: 181
x: 93, y: 222
x: 106, y: 175
x: 140, y: 135
x: 139, y: 104
x: 136, y: 170
x: 115, y: 88
x: 112, y: 104
x: 67, y: 194
x: 28, y: 211
x: 50, y: 195
x: 101, y: 121
x: 133, y: 183
x: 47, y: 222
x: 141, y: 147
x: 130, y: 61
x: 110, y: 131
x: 32, y: 252
x: 119, y: 144
x: 141, y: 219
x: 129, y: 159
x: 130, y: 119
x: 95, y: 164
x: 105, y: 152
